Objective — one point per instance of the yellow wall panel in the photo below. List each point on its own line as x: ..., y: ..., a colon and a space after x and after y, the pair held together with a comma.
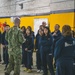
x: 62, y: 19
x: 29, y: 21
x: 59, y: 18
x: 74, y: 21
x: 8, y: 20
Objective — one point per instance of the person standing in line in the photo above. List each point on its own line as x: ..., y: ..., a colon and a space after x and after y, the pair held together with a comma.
x: 56, y: 35
x: 28, y: 47
x: 33, y: 37
x: 73, y: 36
x: 5, y: 43
x: 23, y: 28
x: 38, y: 50
x: 15, y: 40
x: 46, y: 52
x: 64, y: 53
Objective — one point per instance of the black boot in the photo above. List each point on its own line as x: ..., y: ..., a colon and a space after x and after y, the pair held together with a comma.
x: 6, y: 73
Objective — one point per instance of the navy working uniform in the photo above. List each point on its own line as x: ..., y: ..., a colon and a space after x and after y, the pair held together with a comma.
x: 64, y: 53
x: 46, y: 53
x: 38, y: 52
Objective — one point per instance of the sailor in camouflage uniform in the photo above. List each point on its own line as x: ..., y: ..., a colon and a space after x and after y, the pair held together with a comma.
x: 15, y: 39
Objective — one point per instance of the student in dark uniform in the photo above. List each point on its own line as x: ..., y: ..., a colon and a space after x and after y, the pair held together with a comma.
x: 28, y: 46
x: 40, y: 27
x: 46, y: 52
x: 64, y: 53
x: 56, y: 35
x: 73, y: 36
x: 33, y: 37
x: 5, y: 46
x: 23, y: 28
x: 32, y: 32
x: 38, y: 50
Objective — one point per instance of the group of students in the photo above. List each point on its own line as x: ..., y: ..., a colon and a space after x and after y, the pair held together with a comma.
x: 27, y: 48
x: 57, y: 45
x: 45, y: 44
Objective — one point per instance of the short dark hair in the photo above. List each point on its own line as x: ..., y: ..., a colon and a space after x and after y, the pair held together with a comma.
x: 58, y: 25
x: 23, y: 27
x: 16, y: 20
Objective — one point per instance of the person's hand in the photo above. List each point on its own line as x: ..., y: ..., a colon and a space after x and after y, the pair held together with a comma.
x: 36, y: 49
x: 26, y: 49
x: 54, y: 34
x: 3, y: 46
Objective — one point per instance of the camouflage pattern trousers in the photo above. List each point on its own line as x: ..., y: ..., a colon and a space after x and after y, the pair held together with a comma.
x: 14, y: 62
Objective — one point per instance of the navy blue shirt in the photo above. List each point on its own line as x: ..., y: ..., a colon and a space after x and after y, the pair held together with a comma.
x: 57, y: 37
x: 46, y: 43
x: 65, y: 48
x: 38, y: 42
x: 28, y: 43
x: 4, y: 42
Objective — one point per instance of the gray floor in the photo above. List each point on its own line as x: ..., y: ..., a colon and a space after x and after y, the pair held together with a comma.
x: 22, y: 72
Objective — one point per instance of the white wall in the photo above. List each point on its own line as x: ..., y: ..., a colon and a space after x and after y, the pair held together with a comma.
x: 61, y: 5
x: 12, y: 7
x: 34, y: 6
x: 7, y: 7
